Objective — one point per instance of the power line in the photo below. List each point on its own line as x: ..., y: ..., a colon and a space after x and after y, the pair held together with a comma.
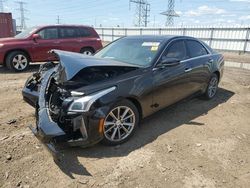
x: 142, y: 12
x: 170, y: 13
x: 22, y: 16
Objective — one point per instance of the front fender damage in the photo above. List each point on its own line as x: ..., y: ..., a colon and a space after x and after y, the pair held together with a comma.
x: 54, y: 88
x: 80, y: 129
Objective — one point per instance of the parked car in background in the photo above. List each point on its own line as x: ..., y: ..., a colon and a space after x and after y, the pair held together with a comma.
x: 33, y: 44
x: 87, y: 99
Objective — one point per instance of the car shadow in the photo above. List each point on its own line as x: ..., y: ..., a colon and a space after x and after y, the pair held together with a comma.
x: 150, y: 129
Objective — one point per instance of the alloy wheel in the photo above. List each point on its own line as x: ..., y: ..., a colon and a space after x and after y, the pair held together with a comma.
x: 212, y: 88
x: 20, y: 62
x: 119, y: 123
x: 87, y: 52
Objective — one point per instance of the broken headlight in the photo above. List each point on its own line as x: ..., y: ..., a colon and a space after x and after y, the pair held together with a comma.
x: 83, y: 104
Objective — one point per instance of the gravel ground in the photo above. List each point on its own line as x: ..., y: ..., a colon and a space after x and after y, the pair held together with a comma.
x: 194, y: 143
x: 236, y: 57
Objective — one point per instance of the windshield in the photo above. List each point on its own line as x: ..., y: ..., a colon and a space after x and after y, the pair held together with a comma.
x: 26, y: 33
x: 132, y: 50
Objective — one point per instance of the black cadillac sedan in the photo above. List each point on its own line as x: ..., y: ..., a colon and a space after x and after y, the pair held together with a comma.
x: 87, y: 99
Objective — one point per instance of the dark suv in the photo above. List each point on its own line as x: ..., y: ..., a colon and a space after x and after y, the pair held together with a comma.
x: 33, y: 44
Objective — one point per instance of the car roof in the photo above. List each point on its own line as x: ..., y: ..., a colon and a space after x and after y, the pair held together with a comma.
x: 61, y: 25
x: 159, y: 37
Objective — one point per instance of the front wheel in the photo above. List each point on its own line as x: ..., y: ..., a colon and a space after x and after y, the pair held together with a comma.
x: 120, y: 123
x: 87, y: 51
x: 212, y: 87
x: 17, y: 61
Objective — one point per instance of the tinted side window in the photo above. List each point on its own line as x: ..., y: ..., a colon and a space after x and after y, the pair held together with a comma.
x: 68, y: 32
x: 84, y: 32
x: 196, y: 49
x: 49, y: 33
x: 176, y: 50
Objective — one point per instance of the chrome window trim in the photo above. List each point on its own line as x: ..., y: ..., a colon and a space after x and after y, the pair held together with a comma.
x: 194, y: 58
x: 183, y: 39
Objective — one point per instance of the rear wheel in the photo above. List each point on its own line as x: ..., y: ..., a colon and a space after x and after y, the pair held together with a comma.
x: 87, y: 51
x: 120, y: 123
x: 17, y: 61
x: 212, y: 87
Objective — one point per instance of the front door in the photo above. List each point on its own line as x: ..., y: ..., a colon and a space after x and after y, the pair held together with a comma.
x: 48, y: 40
x: 171, y: 83
x: 69, y: 39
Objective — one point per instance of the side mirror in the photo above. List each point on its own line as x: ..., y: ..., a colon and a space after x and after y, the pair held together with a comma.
x: 36, y: 36
x: 169, y: 62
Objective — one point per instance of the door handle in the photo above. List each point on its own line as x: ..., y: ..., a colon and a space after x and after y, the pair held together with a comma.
x: 188, y: 69
x: 57, y: 42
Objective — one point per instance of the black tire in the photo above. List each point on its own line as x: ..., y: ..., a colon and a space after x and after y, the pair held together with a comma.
x: 134, y: 116
x: 17, y: 61
x: 212, y: 87
x: 87, y: 51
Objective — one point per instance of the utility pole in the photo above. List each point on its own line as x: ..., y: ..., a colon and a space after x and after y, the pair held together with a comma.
x: 147, y: 11
x: 58, y: 19
x: 22, y: 16
x: 142, y: 12
x: 170, y: 13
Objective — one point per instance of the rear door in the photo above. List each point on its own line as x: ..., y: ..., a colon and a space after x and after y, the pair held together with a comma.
x: 49, y: 40
x: 69, y: 39
x: 171, y: 84
x: 200, y: 63
x: 89, y: 38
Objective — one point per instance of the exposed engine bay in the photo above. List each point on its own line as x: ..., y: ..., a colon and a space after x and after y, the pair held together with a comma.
x: 91, y: 75
x: 57, y: 92
x: 56, y: 96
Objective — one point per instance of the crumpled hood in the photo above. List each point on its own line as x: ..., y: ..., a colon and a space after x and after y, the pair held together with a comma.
x: 71, y: 63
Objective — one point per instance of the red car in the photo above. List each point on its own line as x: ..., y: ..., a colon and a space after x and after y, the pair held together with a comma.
x: 33, y: 44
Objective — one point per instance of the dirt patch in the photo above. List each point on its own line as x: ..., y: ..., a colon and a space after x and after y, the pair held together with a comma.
x: 194, y: 143
x: 237, y: 57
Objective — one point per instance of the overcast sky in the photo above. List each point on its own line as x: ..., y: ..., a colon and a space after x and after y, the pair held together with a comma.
x: 116, y: 12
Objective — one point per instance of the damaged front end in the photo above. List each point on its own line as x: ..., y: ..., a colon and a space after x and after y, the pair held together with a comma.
x: 65, y: 115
